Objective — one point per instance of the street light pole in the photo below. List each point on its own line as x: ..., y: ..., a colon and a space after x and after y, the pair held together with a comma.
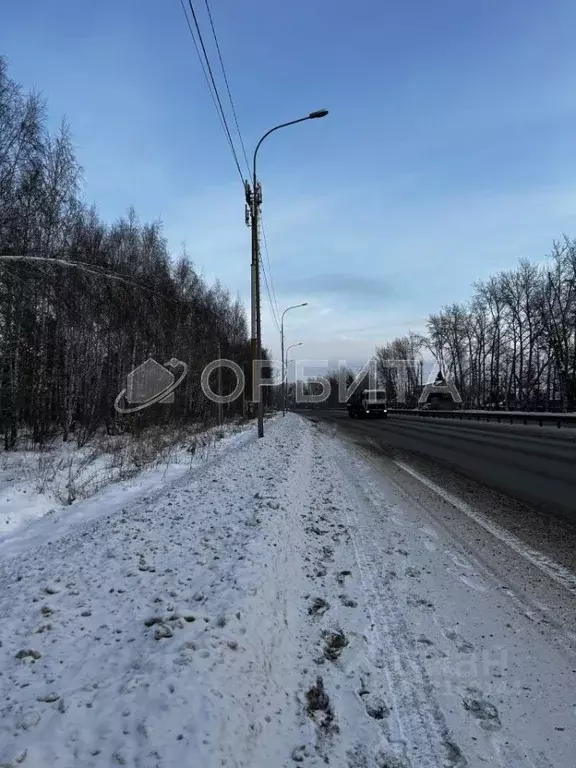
x: 254, y: 200
x: 298, y: 344
x: 283, y: 388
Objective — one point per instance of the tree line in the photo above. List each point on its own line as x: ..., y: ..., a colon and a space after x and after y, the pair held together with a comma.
x: 109, y: 297
x: 512, y: 345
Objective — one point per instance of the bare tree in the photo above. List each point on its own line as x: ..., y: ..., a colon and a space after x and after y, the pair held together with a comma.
x: 513, y: 344
x: 104, y: 299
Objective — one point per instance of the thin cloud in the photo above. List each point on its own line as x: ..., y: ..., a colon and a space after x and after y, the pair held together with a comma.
x: 344, y: 286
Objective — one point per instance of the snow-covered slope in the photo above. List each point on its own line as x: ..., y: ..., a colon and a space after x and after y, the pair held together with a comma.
x: 273, y: 607
x: 63, y: 480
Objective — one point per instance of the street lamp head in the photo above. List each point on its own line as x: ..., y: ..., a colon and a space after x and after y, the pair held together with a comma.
x: 318, y: 113
x: 296, y: 344
x: 305, y: 304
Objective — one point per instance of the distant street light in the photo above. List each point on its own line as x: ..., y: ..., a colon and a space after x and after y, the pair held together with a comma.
x: 295, y: 306
x: 253, y: 201
x: 298, y: 344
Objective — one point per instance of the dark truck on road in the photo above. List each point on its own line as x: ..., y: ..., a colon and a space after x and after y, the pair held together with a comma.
x: 367, y: 402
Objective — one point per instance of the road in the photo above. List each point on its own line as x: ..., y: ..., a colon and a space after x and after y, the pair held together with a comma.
x: 529, y: 463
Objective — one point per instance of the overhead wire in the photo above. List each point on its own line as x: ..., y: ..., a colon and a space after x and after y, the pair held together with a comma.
x: 209, y: 76
x: 276, y: 323
x: 91, y: 269
x: 215, y: 36
x: 268, y: 279
x: 272, y: 297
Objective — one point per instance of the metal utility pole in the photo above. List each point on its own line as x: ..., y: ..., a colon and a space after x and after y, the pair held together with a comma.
x: 253, y: 202
x: 285, y: 366
x: 298, y: 344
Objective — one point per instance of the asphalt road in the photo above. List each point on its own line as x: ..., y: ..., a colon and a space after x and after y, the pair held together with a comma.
x: 536, y: 465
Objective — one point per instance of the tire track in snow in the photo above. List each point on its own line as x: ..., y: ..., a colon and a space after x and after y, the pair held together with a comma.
x: 420, y: 725
x: 405, y: 670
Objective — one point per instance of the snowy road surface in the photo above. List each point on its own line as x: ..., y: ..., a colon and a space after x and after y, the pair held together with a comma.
x: 290, y: 603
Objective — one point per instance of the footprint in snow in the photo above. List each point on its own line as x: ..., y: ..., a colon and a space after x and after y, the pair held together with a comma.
x: 334, y: 643
x: 375, y: 706
x: 342, y: 575
x: 460, y: 643
x: 318, y: 607
x: 348, y: 601
x: 419, y: 602
x: 482, y: 710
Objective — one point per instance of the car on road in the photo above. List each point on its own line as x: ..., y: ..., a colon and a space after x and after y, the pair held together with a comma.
x: 366, y: 403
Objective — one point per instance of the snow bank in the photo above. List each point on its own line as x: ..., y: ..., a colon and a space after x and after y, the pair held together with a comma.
x: 52, y: 481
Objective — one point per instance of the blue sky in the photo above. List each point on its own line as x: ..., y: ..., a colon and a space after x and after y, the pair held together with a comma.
x: 449, y: 151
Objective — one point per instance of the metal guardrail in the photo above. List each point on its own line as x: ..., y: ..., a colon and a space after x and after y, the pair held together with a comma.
x: 506, y: 417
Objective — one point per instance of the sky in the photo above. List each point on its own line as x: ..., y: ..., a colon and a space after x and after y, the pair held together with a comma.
x: 448, y: 154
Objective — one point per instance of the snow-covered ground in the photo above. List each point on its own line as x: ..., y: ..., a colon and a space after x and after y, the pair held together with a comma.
x: 282, y: 603
x: 35, y: 483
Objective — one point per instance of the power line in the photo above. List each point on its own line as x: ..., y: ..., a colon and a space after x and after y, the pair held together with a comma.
x: 202, y: 65
x: 274, y: 317
x: 91, y: 269
x: 227, y: 85
x: 209, y: 76
x: 269, y: 265
x: 270, y: 298
x: 269, y: 283
x: 229, y: 135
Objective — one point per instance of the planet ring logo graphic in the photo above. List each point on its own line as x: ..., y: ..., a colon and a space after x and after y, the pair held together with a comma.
x: 150, y: 383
